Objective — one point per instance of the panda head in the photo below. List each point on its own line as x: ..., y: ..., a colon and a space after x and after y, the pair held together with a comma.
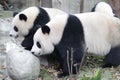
x: 23, y: 22
x: 42, y: 42
x: 16, y: 25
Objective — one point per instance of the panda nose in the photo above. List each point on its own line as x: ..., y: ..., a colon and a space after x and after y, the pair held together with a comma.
x: 16, y: 36
x: 10, y: 35
x: 33, y: 53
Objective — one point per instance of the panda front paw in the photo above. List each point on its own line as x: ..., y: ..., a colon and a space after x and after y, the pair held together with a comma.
x: 58, y: 68
x: 61, y: 75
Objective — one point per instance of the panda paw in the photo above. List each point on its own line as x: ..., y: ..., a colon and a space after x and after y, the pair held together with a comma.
x: 61, y: 75
x: 58, y: 69
x: 108, y: 65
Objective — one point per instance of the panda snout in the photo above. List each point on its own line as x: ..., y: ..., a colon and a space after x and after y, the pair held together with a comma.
x: 13, y: 36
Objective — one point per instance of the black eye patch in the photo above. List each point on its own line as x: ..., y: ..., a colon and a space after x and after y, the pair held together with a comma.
x: 38, y: 45
x: 15, y: 28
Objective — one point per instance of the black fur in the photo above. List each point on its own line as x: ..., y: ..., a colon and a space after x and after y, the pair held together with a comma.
x: 15, y: 28
x: 73, y: 37
x: 93, y: 9
x: 38, y: 45
x: 23, y: 17
x: 28, y: 41
x: 15, y: 13
x: 41, y: 19
x: 115, y: 14
x: 45, y: 29
x: 112, y: 58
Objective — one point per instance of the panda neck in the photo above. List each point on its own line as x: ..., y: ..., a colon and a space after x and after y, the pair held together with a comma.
x: 32, y: 31
x: 42, y: 17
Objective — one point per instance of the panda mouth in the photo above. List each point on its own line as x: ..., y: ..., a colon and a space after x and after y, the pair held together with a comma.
x: 16, y: 36
x: 35, y: 54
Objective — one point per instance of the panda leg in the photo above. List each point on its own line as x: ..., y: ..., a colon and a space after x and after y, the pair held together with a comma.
x: 112, y: 58
x: 27, y: 42
x: 58, y: 58
x: 63, y: 64
x: 66, y: 61
x: 78, y: 54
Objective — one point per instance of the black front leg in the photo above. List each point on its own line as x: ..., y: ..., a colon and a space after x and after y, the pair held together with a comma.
x: 70, y: 60
x: 63, y: 63
x: 27, y: 43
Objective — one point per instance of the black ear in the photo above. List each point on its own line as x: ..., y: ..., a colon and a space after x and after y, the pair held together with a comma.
x: 45, y: 29
x: 23, y: 17
x: 94, y: 7
x: 15, y: 13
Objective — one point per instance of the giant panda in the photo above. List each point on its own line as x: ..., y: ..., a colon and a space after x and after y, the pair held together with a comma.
x: 95, y: 32
x: 104, y: 8
x: 25, y: 23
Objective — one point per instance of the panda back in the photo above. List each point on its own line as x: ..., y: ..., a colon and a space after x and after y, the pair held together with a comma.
x: 52, y: 12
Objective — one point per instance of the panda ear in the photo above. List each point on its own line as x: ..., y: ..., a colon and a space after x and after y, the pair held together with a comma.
x: 23, y: 17
x: 93, y: 9
x: 45, y: 29
x: 15, y: 13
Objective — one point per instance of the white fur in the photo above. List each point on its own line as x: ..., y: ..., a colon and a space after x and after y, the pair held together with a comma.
x: 31, y: 14
x: 13, y: 33
x: 48, y: 41
x: 104, y: 8
x: 101, y: 33
x: 52, y: 12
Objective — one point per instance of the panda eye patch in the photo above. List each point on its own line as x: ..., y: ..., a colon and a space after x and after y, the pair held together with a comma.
x: 15, y: 28
x: 38, y: 45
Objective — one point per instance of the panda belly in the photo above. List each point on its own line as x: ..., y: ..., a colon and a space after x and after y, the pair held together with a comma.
x: 97, y: 45
x: 97, y: 37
